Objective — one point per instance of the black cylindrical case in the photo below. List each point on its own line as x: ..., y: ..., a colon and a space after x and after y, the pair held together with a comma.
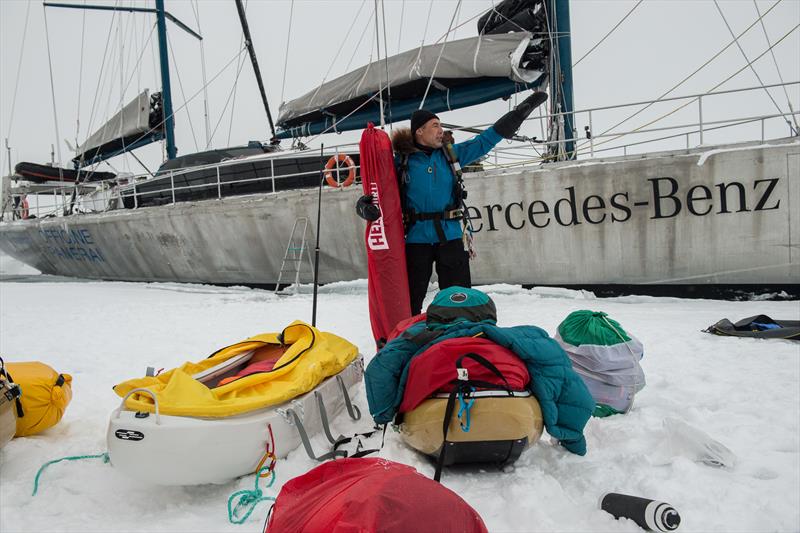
x: 651, y: 515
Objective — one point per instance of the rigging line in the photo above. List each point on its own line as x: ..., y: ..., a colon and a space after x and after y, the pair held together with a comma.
x: 339, y: 51
x: 777, y: 68
x: 358, y: 44
x: 502, y: 17
x: 436, y: 65
x: 386, y: 61
x: 122, y: 30
x: 333, y: 126
x: 239, y: 66
x: 196, y: 10
x: 141, y: 40
x: 400, y: 33
x: 53, y: 94
x: 378, y: 50
x: 458, y: 18
x: 138, y: 62
x: 110, y: 81
x: 122, y: 63
x: 131, y: 49
x: 286, y: 56
x: 122, y: 36
x: 617, y: 25
x: 19, y: 69
x: 123, y: 91
x: 183, y: 94
x: 234, y: 90
x: 80, y: 83
x: 143, y: 165
x: 425, y: 33
x: 553, y: 60
x: 752, y: 68
x: 698, y: 69
x: 697, y: 98
x: 125, y: 34
x: 473, y: 17
x: 112, y: 72
x: 154, y: 61
x: 102, y: 70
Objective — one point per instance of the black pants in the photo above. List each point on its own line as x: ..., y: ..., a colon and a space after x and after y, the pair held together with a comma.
x: 452, y: 267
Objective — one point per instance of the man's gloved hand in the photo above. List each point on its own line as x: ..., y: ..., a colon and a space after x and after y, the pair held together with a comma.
x: 507, y: 125
x: 366, y: 209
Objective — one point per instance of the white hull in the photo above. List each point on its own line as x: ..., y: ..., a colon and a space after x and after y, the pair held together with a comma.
x: 177, y: 450
x: 704, y: 216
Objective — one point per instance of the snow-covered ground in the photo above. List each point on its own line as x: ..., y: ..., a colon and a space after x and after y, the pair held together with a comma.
x: 744, y: 393
x: 11, y: 267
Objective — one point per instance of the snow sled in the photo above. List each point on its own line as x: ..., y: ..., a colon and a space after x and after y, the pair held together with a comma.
x: 758, y: 327
x: 220, y: 418
x: 606, y: 357
x: 467, y: 401
x: 9, y: 406
x: 369, y: 495
x: 468, y: 390
x: 43, y: 396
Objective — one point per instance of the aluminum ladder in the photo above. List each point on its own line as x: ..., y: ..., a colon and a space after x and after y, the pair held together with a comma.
x: 293, y: 256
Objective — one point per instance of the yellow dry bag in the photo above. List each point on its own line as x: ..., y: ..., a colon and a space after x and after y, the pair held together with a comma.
x: 45, y: 396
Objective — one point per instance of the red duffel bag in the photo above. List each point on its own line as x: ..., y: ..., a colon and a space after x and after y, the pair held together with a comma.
x: 366, y: 495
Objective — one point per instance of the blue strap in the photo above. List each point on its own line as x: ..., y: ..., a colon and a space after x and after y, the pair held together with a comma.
x: 764, y: 326
x: 464, y: 409
x: 249, y: 498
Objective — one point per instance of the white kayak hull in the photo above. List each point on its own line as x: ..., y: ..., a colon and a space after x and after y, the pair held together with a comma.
x: 180, y: 450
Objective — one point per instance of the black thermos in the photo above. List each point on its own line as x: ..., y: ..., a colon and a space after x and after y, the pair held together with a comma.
x: 651, y: 515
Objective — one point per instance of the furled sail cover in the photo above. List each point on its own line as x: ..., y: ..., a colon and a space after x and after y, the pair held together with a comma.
x: 138, y: 123
x: 470, y: 71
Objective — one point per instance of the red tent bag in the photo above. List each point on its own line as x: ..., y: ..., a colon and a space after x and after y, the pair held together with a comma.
x: 367, y: 495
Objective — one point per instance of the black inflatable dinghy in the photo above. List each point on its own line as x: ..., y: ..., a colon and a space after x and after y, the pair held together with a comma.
x: 759, y: 327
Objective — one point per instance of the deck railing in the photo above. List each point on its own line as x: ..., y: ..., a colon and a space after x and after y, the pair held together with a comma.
x: 591, y: 143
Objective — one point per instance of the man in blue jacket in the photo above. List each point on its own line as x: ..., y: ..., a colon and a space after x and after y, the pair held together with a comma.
x: 432, y: 195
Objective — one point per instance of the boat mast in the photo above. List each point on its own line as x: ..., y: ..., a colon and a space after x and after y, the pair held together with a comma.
x: 166, y: 89
x: 250, y: 50
x: 561, y: 77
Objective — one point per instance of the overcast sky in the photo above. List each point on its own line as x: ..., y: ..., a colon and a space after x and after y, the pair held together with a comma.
x: 657, y: 46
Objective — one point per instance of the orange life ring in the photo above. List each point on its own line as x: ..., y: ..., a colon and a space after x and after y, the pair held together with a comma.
x: 332, y: 163
x: 24, y: 209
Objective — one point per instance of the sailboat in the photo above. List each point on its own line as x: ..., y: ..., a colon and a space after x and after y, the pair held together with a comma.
x: 657, y: 222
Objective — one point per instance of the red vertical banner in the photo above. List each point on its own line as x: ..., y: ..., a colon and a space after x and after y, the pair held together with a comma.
x: 384, y: 238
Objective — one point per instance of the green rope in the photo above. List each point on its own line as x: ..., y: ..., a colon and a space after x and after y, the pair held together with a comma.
x: 103, y: 456
x: 249, y: 499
